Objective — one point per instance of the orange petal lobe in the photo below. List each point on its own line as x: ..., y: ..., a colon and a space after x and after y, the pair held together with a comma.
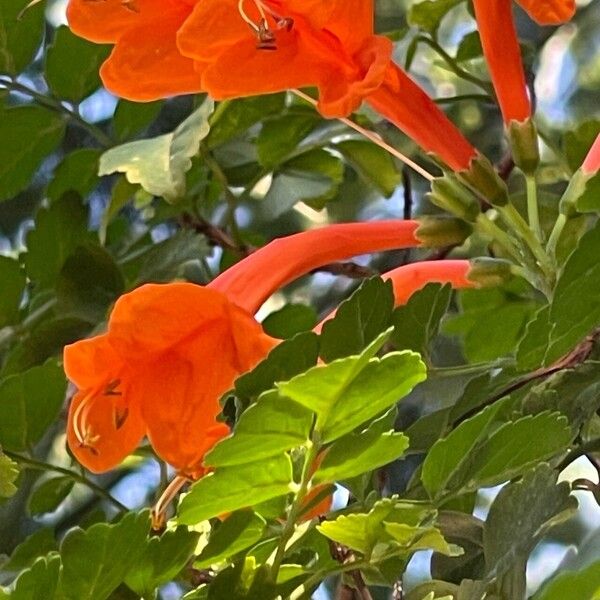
x: 549, y: 12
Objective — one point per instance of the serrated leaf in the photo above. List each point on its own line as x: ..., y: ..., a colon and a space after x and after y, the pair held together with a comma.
x: 29, y: 404
x: 520, y: 515
x: 283, y: 362
x: 159, y: 164
x: 231, y: 488
x: 72, y: 65
x: 583, y: 585
x: 48, y: 496
x: 579, y: 140
x: 96, y: 560
x: 39, y: 582
x: 348, y: 392
x: 418, y: 321
x: 268, y: 428
x: 20, y: 34
x: 9, y: 471
x: 237, y: 533
x: 28, y: 134
x: 447, y: 456
x: 358, y: 320
x: 363, y: 531
x: 30, y: 549
x: 358, y: 453
x: 162, y: 560
x: 516, y: 446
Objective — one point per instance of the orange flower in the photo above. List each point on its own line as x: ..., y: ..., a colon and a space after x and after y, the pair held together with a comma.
x: 145, y: 63
x: 252, y: 47
x: 503, y: 53
x: 591, y: 164
x: 169, y: 353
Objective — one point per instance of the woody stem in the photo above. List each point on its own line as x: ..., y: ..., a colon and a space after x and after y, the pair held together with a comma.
x: 373, y: 137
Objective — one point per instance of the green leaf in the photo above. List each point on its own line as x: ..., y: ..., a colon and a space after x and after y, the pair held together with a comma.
x: 39, y: 582
x: 358, y: 320
x: 9, y: 471
x: 30, y: 403
x: 589, y: 200
x: 281, y: 135
x: 290, y: 320
x: 312, y: 177
x: 532, y: 348
x: 492, y: 321
x: 58, y: 230
x: 48, y: 496
x: 418, y: 321
x: 578, y: 141
x: 233, y: 117
x: 19, y: 37
x: 30, y: 549
x: 355, y: 454
x: 72, y: 65
x: 167, y: 260
x: 77, y: 172
x: 372, y: 163
x: 96, y: 561
x: 575, y: 310
x: 428, y: 15
x: 268, y: 428
x: 348, y: 392
x: 238, y: 532
x: 162, y: 560
x: 28, y: 134
x: 516, y: 446
x: 447, y: 456
x: 232, y: 488
x: 469, y: 47
x: 363, y: 531
x: 283, y: 362
x: 159, y: 164
x: 13, y: 286
x: 583, y: 585
x: 89, y: 282
x: 521, y: 513
x: 133, y: 117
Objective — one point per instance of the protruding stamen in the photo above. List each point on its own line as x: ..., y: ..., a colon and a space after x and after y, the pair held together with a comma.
x: 266, y: 37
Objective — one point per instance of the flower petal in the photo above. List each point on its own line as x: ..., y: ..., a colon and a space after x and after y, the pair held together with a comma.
x: 146, y: 64
x: 89, y: 363
x: 103, y: 429
x: 107, y: 20
x: 549, y: 12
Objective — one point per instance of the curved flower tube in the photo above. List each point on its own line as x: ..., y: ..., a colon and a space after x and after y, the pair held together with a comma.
x: 170, y: 351
x: 591, y: 164
x: 502, y: 51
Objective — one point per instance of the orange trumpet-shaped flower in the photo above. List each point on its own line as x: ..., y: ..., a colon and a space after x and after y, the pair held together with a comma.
x: 502, y: 51
x: 145, y: 63
x: 169, y: 353
x: 591, y: 164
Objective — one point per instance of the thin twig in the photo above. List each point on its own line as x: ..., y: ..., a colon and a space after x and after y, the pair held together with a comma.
x: 376, y: 139
x: 38, y: 465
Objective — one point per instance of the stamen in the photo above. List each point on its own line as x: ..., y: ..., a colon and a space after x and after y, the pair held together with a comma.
x: 245, y: 17
x: 160, y: 508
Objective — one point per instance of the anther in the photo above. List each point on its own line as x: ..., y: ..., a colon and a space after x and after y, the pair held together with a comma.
x: 266, y: 37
